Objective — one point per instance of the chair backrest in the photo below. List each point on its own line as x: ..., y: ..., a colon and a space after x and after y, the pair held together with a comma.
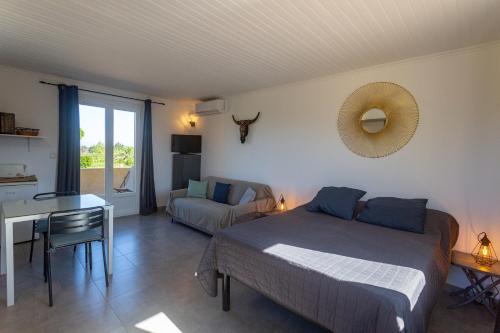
x: 49, y: 195
x: 125, y: 180
x: 72, y: 221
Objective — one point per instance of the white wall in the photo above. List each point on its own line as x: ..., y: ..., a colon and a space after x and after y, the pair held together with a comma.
x: 453, y: 159
x: 36, y: 105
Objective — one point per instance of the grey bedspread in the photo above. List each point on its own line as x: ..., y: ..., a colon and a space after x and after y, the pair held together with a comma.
x: 347, y: 276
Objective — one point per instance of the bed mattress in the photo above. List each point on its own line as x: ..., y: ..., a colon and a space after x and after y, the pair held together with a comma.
x: 347, y: 276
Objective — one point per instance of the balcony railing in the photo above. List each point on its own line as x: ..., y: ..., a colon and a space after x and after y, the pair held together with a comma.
x: 92, y: 180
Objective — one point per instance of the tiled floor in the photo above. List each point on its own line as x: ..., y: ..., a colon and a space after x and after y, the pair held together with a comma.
x: 153, y: 278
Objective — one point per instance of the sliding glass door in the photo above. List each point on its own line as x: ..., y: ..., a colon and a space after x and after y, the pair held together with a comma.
x: 109, y: 151
x: 92, y: 150
x: 124, y: 148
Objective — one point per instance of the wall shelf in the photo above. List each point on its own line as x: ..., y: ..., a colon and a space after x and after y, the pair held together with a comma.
x: 22, y: 136
x: 28, y: 137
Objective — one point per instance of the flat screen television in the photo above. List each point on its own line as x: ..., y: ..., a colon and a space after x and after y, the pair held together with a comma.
x: 186, y: 144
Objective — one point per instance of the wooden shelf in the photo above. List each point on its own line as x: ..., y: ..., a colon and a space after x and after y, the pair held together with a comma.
x: 18, y: 183
x: 21, y: 136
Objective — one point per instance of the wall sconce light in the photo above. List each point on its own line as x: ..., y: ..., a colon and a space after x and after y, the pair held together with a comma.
x: 281, y: 204
x: 191, y: 122
x: 483, y: 252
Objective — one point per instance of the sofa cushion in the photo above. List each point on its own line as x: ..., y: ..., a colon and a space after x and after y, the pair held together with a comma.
x: 221, y: 192
x: 197, y: 189
x: 236, y: 192
x: 202, y: 213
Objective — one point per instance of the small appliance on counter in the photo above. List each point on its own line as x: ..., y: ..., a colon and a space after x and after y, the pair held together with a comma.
x: 16, y: 185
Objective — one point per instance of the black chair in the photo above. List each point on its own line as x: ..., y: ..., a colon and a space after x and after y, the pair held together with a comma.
x: 40, y: 226
x: 70, y: 228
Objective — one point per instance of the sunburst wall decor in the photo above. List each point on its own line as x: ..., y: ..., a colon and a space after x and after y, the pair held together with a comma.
x: 378, y: 119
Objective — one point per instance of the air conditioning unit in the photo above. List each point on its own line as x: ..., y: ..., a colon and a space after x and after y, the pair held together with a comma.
x: 216, y: 106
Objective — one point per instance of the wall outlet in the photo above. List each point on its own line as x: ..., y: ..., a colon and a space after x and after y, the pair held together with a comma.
x: 52, y: 156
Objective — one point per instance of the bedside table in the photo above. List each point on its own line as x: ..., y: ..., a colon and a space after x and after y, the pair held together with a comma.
x: 480, y: 288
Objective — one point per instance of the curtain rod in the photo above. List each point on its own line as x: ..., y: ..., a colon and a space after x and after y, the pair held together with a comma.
x: 103, y: 93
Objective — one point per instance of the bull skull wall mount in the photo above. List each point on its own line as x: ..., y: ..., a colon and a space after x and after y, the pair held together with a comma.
x: 244, y: 126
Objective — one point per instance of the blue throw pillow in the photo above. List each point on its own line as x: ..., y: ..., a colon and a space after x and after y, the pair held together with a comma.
x: 221, y: 192
x: 336, y: 201
x: 395, y: 213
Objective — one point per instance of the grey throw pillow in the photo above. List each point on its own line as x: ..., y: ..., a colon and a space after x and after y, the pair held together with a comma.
x: 248, y: 196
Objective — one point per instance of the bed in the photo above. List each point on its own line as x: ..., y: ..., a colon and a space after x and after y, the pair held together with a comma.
x: 347, y: 276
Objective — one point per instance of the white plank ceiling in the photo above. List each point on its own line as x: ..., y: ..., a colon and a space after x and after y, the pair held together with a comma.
x: 197, y: 48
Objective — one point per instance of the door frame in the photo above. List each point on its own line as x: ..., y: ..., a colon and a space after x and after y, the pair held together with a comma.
x: 125, y: 203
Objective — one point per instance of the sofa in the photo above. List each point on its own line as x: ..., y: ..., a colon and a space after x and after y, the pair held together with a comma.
x: 210, y: 216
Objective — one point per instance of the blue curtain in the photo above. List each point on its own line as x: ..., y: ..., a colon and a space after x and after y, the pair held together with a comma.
x: 68, y: 160
x: 147, y: 192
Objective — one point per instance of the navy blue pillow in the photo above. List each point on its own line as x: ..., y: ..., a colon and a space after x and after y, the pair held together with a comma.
x: 396, y: 213
x: 336, y: 201
x: 221, y: 192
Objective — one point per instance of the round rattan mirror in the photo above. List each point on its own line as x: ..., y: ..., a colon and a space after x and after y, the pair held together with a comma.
x: 378, y: 119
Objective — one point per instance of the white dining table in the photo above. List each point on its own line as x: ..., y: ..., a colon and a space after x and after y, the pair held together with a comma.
x: 28, y: 210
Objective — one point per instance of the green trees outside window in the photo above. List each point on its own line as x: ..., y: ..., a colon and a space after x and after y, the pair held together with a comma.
x: 93, y: 156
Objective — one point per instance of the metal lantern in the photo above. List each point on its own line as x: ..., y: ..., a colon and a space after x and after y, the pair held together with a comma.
x: 281, y: 203
x: 483, y: 251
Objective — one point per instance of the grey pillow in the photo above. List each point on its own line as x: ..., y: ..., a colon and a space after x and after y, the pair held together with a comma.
x: 395, y: 213
x: 248, y: 196
x: 336, y: 201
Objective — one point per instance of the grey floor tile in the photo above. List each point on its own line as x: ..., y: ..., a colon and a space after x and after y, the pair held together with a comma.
x: 154, y: 284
